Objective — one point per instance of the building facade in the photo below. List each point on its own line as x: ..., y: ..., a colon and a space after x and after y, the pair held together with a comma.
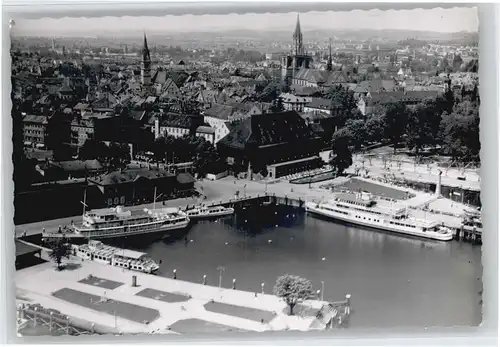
x: 35, y: 130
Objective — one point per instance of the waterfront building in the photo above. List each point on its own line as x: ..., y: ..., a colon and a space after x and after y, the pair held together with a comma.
x: 279, y: 143
x: 133, y: 185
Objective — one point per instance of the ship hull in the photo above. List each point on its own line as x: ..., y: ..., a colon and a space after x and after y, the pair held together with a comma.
x: 108, y: 235
x: 377, y: 226
x: 211, y: 215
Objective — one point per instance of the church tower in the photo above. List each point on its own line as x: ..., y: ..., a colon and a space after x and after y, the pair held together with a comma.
x: 145, y: 65
x: 297, y: 59
x: 329, y: 65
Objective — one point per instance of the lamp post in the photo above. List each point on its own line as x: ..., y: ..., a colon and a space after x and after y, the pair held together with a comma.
x: 322, y: 290
x: 221, y: 270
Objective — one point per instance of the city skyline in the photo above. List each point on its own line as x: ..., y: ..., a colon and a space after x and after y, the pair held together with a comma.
x: 437, y: 20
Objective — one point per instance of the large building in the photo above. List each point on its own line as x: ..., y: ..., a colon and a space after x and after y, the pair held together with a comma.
x: 297, y: 59
x: 279, y: 143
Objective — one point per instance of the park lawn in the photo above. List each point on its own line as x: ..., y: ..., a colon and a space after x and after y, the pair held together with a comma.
x: 196, y: 326
x: 162, y: 296
x: 240, y: 311
x: 356, y: 185
x: 135, y: 313
x: 100, y: 282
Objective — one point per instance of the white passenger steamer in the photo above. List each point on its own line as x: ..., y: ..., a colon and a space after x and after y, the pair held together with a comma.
x: 361, y: 209
x: 117, y: 222
x: 124, y: 258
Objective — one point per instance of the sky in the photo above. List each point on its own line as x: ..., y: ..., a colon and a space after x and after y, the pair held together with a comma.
x: 438, y: 20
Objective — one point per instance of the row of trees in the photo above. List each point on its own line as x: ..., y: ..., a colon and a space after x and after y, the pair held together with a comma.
x: 188, y: 148
x: 447, y: 122
x: 114, y: 155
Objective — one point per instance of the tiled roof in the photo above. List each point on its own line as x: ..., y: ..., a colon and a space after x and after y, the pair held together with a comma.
x: 304, y: 90
x: 375, y: 85
x: 35, y: 119
x: 185, y: 178
x: 176, y: 120
x: 409, y: 96
x: 130, y: 175
x: 287, y: 97
x: 319, y: 103
x: 137, y: 114
x: 81, y: 106
x: 78, y: 165
x: 220, y: 111
x: 205, y: 130
x: 268, y: 129
x: 160, y: 77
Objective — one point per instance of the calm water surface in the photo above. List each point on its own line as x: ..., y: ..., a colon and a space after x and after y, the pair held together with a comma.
x: 393, y: 280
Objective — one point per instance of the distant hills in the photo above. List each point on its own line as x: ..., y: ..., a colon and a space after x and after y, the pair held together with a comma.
x: 273, y: 35
x: 320, y: 34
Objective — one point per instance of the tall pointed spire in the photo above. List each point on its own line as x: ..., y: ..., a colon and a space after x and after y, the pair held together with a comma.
x: 298, y: 47
x: 145, y: 49
x: 145, y: 64
x: 298, y: 31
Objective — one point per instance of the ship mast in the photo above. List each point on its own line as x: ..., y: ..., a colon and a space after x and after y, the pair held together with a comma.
x: 84, y: 202
x: 154, y: 199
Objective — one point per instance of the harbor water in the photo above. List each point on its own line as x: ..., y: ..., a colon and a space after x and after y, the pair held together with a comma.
x: 395, y: 281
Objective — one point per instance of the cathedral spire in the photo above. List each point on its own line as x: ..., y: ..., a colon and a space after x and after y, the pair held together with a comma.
x: 298, y: 47
x: 145, y: 65
x: 145, y: 49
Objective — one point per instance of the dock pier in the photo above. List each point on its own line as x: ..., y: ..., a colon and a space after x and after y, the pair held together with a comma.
x: 469, y: 234
x: 259, y: 199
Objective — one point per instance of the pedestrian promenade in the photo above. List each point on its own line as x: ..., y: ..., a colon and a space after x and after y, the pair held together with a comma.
x: 464, y: 179
x: 40, y: 282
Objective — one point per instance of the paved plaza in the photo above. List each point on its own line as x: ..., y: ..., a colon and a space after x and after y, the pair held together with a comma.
x: 149, y: 307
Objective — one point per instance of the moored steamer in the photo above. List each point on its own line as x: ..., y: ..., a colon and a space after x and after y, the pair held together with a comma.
x: 117, y: 222
x: 204, y: 212
x: 362, y: 209
x: 124, y: 258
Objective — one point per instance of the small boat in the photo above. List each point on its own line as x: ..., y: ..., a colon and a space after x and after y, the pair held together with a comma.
x: 120, y: 257
x: 201, y: 212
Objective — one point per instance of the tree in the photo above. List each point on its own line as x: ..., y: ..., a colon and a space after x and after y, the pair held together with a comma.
x: 59, y: 249
x: 395, y: 122
x: 357, y: 131
x: 207, y: 158
x: 341, y: 154
x: 343, y: 105
x: 93, y: 149
x: 460, y: 131
x: 270, y: 92
x: 277, y: 105
x: 293, y: 289
x: 375, y: 127
x: 119, y: 154
x: 418, y: 128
